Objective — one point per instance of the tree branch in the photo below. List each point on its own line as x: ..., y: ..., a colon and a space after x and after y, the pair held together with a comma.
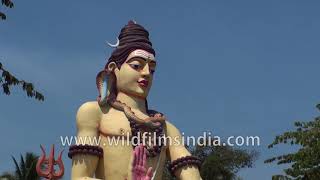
x: 7, y: 80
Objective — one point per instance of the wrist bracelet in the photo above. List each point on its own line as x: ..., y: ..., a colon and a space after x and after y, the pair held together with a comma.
x: 184, y: 161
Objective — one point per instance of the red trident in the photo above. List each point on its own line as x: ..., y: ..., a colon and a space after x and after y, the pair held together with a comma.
x: 45, y: 166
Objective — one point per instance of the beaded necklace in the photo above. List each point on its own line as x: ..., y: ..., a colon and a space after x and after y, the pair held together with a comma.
x: 137, y: 130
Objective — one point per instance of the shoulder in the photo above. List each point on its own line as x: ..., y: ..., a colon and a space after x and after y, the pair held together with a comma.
x: 89, y: 112
x: 91, y: 106
x: 172, y: 130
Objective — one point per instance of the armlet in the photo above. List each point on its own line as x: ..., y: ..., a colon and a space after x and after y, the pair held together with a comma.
x: 85, y: 149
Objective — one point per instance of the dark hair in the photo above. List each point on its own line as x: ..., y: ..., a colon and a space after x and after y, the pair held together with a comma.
x: 132, y: 36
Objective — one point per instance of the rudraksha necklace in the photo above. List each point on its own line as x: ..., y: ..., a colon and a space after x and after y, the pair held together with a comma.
x: 153, y: 149
x: 139, y: 125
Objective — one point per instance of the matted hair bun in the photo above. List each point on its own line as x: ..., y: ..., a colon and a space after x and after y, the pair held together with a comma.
x: 132, y: 36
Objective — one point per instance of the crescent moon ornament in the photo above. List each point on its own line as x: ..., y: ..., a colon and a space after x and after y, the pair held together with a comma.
x: 114, y: 45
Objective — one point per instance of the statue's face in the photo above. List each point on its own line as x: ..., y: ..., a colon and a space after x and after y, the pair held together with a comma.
x: 136, y: 73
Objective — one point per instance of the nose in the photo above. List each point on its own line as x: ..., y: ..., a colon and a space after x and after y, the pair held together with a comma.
x: 145, y: 71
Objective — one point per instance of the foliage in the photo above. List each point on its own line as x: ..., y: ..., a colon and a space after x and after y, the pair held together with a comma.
x: 223, y: 162
x: 7, y: 80
x: 220, y: 162
x: 7, y: 3
x: 305, y: 163
x: 7, y: 176
x: 25, y: 169
x: 166, y: 173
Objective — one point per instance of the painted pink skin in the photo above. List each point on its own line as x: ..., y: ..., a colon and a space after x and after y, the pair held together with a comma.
x: 139, y: 170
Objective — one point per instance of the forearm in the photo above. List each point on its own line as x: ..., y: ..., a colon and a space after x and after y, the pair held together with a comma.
x: 83, y: 166
x: 183, y: 165
x: 188, y: 173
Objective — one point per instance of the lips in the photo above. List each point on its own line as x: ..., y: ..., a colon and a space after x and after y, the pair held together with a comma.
x: 143, y: 83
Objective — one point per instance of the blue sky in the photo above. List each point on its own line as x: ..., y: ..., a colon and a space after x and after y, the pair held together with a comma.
x: 230, y: 67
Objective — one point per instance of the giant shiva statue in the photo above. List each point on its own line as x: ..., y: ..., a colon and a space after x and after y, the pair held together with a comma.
x: 121, y: 112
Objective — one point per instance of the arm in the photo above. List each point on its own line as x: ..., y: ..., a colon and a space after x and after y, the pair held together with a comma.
x: 177, y: 150
x: 88, y: 118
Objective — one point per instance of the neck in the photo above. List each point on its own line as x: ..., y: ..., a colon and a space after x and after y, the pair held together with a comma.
x: 132, y: 101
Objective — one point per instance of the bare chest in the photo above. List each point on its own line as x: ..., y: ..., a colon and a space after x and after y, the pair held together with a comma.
x: 118, y: 151
x: 115, y: 123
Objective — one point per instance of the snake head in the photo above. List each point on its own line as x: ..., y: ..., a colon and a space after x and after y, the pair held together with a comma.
x: 152, y: 125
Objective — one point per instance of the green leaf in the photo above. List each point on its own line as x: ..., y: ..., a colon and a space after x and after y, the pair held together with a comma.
x: 6, y: 89
x: 305, y: 163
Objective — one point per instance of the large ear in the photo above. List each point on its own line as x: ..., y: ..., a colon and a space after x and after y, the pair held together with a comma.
x: 112, y: 67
